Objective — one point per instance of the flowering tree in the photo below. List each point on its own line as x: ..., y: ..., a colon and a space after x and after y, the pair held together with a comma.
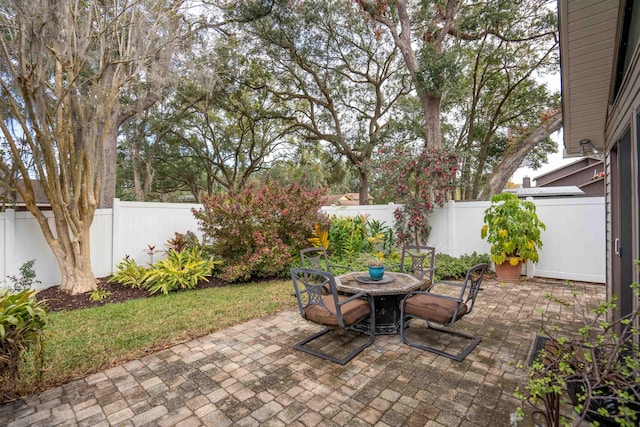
x: 418, y: 183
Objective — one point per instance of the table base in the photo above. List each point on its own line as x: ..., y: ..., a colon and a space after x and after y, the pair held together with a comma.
x: 387, y: 315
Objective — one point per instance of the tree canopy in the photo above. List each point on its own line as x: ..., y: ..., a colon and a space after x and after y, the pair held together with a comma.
x: 182, y: 101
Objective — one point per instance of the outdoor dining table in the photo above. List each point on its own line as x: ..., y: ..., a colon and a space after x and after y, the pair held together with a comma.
x: 387, y: 294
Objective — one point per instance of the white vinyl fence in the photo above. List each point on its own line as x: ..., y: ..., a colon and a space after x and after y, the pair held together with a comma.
x: 574, y: 242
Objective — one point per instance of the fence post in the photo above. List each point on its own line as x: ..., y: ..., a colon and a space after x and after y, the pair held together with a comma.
x: 8, y: 259
x: 115, y: 234
x: 451, y: 227
x: 530, y: 267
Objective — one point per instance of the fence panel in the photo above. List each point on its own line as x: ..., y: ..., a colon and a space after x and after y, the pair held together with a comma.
x: 137, y: 226
x: 574, y: 243
x: 4, y: 250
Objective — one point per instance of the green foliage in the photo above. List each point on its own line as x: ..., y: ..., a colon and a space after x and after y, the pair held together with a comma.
x: 129, y: 273
x: 99, y: 295
x: 22, y: 320
x: 371, y: 260
x: 597, y: 372
x: 350, y: 236
x: 449, y: 267
x: 26, y: 279
x: 256, y: 231
x: 179, y: 270
x: 512, y: 227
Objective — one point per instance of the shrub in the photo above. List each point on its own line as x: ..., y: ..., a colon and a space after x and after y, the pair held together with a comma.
x: 350, y: 236
x: 179, y: 270
x: 180, y: 242
x: 129, y: 273
x: 257, y: 230
x: 22, y: 320
x: 26, y: 279
x: 512, y: 227
x: 449, y: 267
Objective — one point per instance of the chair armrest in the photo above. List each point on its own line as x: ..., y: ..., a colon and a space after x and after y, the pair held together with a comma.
x: 431, y: 294
x: 355, y: 296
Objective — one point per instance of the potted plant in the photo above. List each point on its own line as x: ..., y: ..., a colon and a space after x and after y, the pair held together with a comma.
x: 512, y: 227
x: 375, y: 264
x: 596, y: 372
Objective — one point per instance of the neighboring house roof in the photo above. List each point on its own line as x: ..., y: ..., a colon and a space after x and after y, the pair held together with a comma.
x: 347, y: 199
x: 587, y: 174
x: 569, y: 190
x: 13, y: 197
x: 587, y: 48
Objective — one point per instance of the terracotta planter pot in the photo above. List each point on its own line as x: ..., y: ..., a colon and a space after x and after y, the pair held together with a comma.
x: 506, y: 272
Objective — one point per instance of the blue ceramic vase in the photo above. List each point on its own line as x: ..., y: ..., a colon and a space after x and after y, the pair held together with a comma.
x: 376, y: 272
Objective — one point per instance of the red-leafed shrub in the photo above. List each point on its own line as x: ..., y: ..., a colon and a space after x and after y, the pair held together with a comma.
x: 257, y: 230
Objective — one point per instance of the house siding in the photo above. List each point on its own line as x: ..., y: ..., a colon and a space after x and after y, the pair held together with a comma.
x: 622, y: 117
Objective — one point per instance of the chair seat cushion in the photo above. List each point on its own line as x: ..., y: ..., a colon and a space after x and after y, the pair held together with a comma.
x: 352, y: 312
x: 433, y: 308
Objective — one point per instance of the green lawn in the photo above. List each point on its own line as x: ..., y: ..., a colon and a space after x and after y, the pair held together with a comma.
x: 81, y: 342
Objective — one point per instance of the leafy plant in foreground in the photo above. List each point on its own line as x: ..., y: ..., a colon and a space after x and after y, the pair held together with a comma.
x: 22, y: 320
x: 597, y: 372
x: 99, y: 294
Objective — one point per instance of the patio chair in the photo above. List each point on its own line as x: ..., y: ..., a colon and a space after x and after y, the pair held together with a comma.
x: 316, y: 259
x: 443, y: 310
x: 333, y: 311
x: 419, y: 261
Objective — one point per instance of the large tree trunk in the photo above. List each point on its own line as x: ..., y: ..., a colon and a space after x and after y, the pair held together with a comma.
x: 402, y: 32
x: 75, y: 265
x: 66, y: 65
x: 364, y: 188
x: 513, y: 157
x: 109, y: 170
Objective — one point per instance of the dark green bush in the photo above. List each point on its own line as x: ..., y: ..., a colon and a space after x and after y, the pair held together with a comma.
x: 22, y: 320
x: 449, y: 267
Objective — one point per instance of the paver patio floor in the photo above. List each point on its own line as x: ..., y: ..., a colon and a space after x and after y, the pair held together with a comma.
x: 249, y: 375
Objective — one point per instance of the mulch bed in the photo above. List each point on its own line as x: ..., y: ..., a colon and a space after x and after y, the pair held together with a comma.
x: 58, y: 300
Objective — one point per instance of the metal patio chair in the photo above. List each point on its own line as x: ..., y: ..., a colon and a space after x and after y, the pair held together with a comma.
x: 316, y: 259
x: 419, y: 261
x: 443, y: 310
x: 332, y: 311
